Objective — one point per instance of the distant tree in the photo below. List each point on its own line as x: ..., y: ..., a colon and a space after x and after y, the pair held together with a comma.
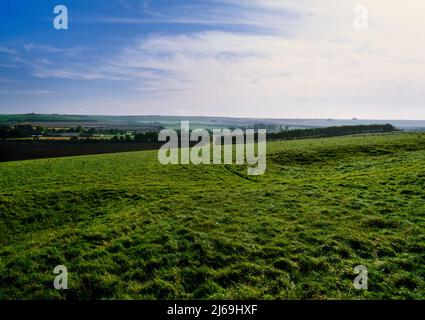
x: 20, y: 131
x: 330, y: 131
x: 146, y: 137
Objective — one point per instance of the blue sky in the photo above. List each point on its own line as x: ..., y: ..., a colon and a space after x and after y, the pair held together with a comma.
x: 254, y: 58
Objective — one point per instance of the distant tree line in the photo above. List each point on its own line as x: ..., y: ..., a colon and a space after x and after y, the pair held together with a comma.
x: 146, y: 137
x: 20, y: 131
x: 25, y: 131
x: 299, y: 133
x: 330, y: 131
x: 28, y: 130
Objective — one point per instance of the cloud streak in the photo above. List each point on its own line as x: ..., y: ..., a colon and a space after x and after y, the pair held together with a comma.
x: 297, y: 59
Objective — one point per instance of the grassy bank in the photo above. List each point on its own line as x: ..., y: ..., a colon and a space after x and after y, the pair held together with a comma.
x: 128, y: 227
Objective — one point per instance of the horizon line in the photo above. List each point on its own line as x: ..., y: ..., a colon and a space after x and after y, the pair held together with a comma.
x: 205, y: 116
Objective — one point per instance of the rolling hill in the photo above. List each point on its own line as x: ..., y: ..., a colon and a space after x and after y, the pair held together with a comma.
x: 128, y: 227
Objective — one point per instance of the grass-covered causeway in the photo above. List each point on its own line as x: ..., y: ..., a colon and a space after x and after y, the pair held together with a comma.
x: 128, y: 227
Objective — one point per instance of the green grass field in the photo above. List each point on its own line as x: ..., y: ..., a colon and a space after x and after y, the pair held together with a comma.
x: 127, y: 227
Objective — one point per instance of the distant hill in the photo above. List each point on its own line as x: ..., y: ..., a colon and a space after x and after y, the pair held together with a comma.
x: 208, y: 122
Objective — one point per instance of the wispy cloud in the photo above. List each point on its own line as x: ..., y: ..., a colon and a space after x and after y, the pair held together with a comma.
x: 295, y: 58
x: 27, y: 92
x: 7, y: 50
x: 51, y: 49
x: 259, y: 16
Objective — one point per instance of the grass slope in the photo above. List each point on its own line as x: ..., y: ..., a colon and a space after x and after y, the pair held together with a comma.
x: 127, y: 227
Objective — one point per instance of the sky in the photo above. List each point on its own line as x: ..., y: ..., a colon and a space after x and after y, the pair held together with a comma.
x: 241, y: 58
